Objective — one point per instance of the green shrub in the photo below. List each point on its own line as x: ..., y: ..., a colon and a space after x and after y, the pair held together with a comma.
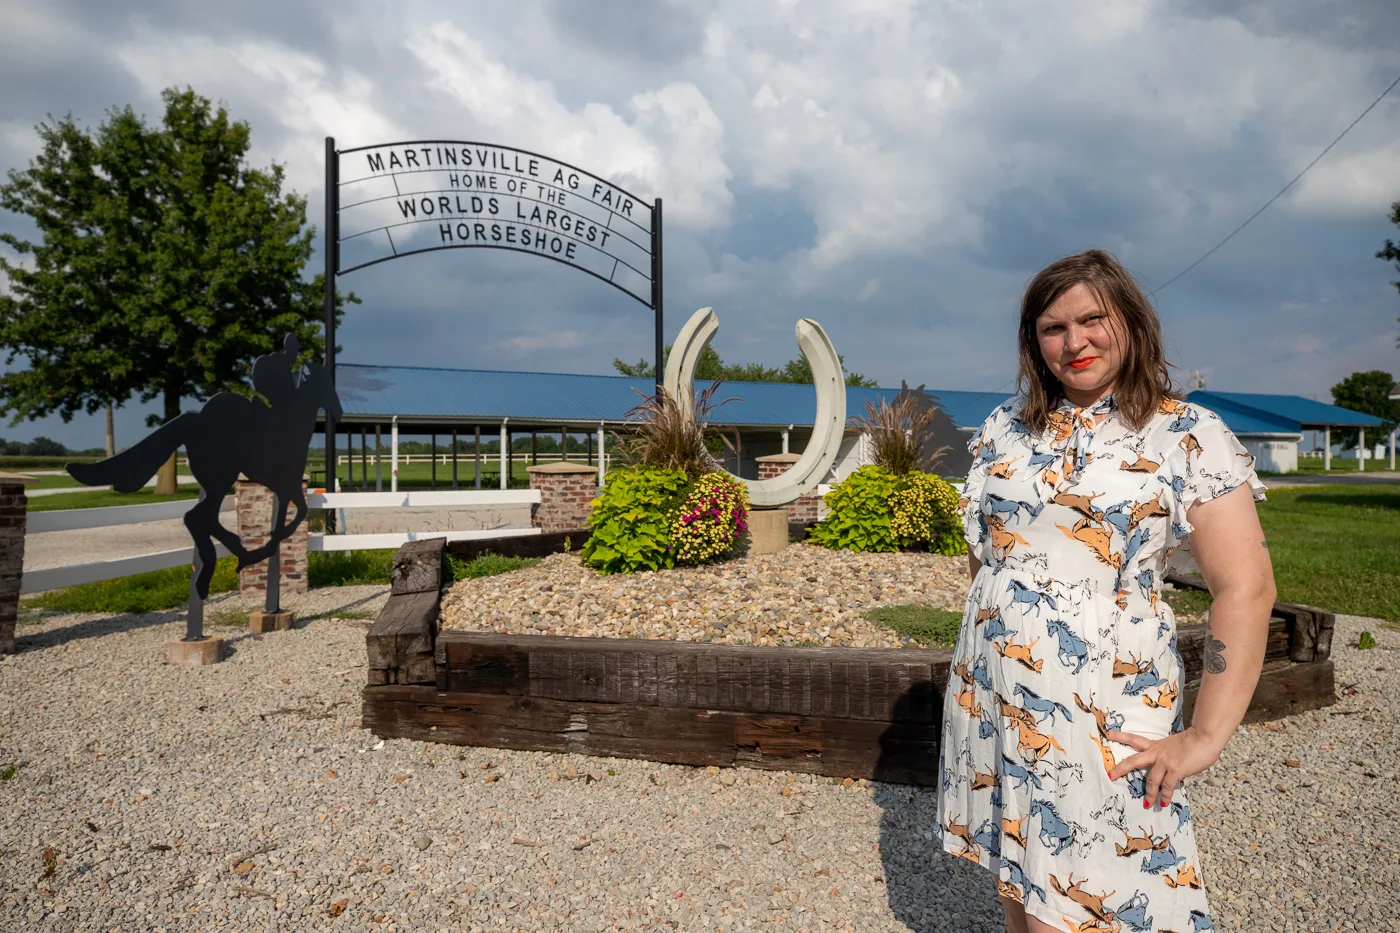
x: 487, y: 565
x: 349, y: 568
x: 874, y: 510
x: 632, y: 519
x: 712, y: 520
x: 859, y: 514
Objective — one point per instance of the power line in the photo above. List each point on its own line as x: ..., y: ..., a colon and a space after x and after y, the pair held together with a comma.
x: 1280, y: 193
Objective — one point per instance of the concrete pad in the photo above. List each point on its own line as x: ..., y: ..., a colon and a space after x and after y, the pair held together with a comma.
x: 195, y: 653
x: 768, y: 531
x: 260, y: 622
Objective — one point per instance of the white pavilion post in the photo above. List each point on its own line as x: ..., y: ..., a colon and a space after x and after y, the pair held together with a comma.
x: 378, y: 459
x: 394, y: 455
x: 1361, y: 450
x: 1327, y: 447
x: 602, y: 470
x: 504, y: 453
x: 1392, y: 450
x: 785, y: 438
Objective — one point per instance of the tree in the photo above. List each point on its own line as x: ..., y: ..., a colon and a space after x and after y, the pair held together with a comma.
x: 710, y: 367
x: 1369, y: 393
x: 166, y: 265
x: 46, y: 447
x: 1391, y: 251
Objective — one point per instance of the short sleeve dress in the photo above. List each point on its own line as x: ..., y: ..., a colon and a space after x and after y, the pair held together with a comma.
x: 1065, y: 638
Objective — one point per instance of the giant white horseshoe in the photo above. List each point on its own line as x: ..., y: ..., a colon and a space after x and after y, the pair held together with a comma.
x: 827, y: 430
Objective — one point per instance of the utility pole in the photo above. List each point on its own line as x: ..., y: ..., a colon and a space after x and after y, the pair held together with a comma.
x: 111, y: 434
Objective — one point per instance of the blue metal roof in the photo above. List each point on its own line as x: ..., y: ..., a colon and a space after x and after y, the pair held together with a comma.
x: 1291, y: 413
x: 463, y: 395
x: 487, y: 396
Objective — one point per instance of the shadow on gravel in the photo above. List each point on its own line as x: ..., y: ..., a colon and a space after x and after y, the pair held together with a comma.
x: 929, y: 890
x: 224, y: 617
x: 92, y: 628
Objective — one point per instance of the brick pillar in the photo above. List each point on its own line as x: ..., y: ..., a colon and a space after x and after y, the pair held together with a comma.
x: 804, y: 510
x: 14, y: 509
x: 565, y: 491
x: 255, y: 527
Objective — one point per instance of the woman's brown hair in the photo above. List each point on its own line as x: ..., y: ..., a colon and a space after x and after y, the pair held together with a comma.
x: 1143, y: 381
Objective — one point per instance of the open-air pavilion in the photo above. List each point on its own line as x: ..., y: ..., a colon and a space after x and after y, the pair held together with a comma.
x: 382, y: 403
x: 1270, y: 426
x: 462, y: 410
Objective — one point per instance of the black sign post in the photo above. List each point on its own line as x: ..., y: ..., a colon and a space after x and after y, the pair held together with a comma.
x: 398, y: 199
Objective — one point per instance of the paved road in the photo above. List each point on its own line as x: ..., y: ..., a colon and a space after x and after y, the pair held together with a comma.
x: 1343, y: 479
x: 86, y: 545
x: 62, y: 548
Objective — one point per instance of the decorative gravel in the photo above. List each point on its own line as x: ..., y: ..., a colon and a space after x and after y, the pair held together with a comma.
x: 244, y: 796
x: 805, y: 594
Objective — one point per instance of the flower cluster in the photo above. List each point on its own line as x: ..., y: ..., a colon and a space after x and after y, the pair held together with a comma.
x: 922, y: 504
x: 712, y: 519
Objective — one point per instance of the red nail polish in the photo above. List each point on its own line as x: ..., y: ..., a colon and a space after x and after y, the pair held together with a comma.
x: 1146, y: 805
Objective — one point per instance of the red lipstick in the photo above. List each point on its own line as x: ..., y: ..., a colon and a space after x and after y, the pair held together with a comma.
x: 1082, y: 362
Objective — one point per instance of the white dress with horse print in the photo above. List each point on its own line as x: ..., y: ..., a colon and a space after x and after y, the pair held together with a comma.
x: 1064, y: 638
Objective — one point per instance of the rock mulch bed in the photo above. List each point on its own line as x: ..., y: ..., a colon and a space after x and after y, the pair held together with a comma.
x: 803, y: 595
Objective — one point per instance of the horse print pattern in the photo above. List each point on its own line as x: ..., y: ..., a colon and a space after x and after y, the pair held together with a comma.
x: 1064, y: 639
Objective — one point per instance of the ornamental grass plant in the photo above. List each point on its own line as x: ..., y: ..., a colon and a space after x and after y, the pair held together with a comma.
x: 662, y: 436
x: 899, y: 431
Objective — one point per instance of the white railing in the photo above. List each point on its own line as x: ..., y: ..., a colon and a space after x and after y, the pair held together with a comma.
x: 340, y: 501
x: 53, y: 578
x: 465, y: 459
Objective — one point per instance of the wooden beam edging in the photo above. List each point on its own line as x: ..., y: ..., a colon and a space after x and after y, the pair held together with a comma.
x: 399, y: 646
x: 1309, y: 627
x: 897, y: 750
x: 840, y: 712
x: 539, y: 545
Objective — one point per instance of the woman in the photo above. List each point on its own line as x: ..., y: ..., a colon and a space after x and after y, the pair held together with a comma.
x: 1064, y: 748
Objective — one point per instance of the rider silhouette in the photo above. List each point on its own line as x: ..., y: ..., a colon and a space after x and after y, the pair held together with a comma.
x: 272, y: 374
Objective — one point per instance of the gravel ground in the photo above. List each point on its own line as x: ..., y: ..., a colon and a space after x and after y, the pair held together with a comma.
x: 803, y: 594
x: 244, y: 796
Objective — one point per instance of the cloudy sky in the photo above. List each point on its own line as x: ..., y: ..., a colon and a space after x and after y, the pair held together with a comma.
x: 896, y: 170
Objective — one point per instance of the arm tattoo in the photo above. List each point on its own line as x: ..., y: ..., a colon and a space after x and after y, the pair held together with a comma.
x: 1264, y: 545
x: 1214, y: 660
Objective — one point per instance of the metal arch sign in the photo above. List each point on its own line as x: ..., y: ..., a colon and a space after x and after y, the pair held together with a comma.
x: 399, y: 199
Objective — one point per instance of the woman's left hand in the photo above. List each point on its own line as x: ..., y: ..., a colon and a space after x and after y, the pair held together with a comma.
x: 1169, y: 761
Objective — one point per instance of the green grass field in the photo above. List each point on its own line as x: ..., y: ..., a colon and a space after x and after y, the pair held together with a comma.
x: 419, y: 475
x: 101, y: 498
x: 170, y: 589
x: 1335, y: 547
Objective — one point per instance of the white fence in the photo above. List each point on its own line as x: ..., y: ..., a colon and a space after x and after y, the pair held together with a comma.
x: 53, y: 578
x: 408, y: 500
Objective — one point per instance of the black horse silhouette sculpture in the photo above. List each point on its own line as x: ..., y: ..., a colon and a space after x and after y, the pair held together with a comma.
x: 234, y: 434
